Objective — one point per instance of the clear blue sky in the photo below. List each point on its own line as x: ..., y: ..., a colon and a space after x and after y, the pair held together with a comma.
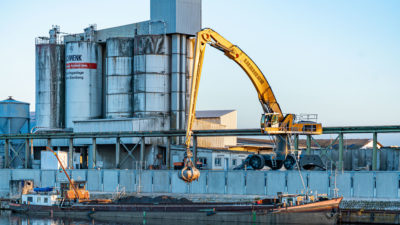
x: 338, y: 59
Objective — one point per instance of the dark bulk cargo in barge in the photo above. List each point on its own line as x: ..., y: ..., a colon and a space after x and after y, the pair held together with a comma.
x: 289, y: 209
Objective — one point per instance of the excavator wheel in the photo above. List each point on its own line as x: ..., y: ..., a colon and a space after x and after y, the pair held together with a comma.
x: 289, y: 162
x: 257, y: 162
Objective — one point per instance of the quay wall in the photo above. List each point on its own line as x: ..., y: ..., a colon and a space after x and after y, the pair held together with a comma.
x: 350, y: 185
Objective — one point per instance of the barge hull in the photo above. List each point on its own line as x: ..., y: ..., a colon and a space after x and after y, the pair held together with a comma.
x: 324, y: 212
x: 198, y: 217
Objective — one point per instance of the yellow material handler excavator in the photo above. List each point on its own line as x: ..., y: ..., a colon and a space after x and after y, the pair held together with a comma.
x: 273, y: 121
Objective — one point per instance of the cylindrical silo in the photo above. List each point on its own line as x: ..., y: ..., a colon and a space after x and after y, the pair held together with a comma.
x: 83, y: 81
x: 151, y: 85
x: 14, y: 119
x: 50, y: 84
x: 13, y: 116
x: 119, y: 95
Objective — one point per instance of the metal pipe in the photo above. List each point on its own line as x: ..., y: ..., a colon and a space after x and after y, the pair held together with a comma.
x: 202, y: 133
x: 375, y: 151
x: 340, y: 151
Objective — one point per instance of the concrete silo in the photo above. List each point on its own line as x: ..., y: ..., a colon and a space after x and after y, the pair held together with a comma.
x: 50, y: 81
x: 119, y: 67
x: 151, y: 85
x: 83, y: 80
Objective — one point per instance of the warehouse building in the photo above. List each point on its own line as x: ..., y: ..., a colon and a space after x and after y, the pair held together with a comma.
x: 216, y: 120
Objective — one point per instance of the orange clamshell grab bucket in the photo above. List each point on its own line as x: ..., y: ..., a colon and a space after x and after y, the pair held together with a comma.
x: 189, y: 174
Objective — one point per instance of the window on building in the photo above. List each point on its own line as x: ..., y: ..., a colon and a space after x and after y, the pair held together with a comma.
x: 233, y: 162
x: 30, y: 199
x: 45, y: 200
x: 38, y: 200
x: 217, y: 162
x: 203, y: 160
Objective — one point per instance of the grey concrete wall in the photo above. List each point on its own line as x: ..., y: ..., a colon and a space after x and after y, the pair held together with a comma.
x: 361, y: 159
x: 379, y: 184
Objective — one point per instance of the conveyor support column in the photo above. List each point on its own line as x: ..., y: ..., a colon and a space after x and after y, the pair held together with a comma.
x: 308, y: 144
x: 340, y: 151
x: 117, y: 152
x: 168, y: 153
x: 142, y: 148
x: 27, y: 151
x: 375, y: 151
x: 7, y: 154
x: 195, y: 150
x: 70, y: 153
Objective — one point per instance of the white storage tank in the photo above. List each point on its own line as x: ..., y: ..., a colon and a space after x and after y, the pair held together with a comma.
x: 50, y: 81
x: 119, y: 64
x: 151, y: 85
x: 83, y: 81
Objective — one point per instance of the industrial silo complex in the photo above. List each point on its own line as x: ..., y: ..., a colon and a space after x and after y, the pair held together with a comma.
x: 129, y: 78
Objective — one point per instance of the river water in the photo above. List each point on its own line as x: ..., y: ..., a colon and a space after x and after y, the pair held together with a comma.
x: 7, y: 217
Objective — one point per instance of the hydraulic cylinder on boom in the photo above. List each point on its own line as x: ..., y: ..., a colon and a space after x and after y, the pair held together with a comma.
x: 273, y: 121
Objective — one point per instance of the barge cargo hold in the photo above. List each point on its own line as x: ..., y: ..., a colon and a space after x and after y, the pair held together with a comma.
x: 319, y: 212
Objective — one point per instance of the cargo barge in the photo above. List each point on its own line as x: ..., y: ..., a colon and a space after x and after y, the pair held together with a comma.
x: 73, y: 201
x: 287, y: 209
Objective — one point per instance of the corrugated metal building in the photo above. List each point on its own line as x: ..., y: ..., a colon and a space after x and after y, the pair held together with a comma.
x: 216, y: 120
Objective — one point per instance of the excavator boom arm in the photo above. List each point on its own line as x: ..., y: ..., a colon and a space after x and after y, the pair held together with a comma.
x: 65, y: 172
x: 265, y: 94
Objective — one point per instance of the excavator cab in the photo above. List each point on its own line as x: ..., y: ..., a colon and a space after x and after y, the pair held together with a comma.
x: 273, y: 123
x: 269, y: 120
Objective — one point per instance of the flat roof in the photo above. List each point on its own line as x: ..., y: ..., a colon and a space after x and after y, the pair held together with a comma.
x: 212, y: 113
